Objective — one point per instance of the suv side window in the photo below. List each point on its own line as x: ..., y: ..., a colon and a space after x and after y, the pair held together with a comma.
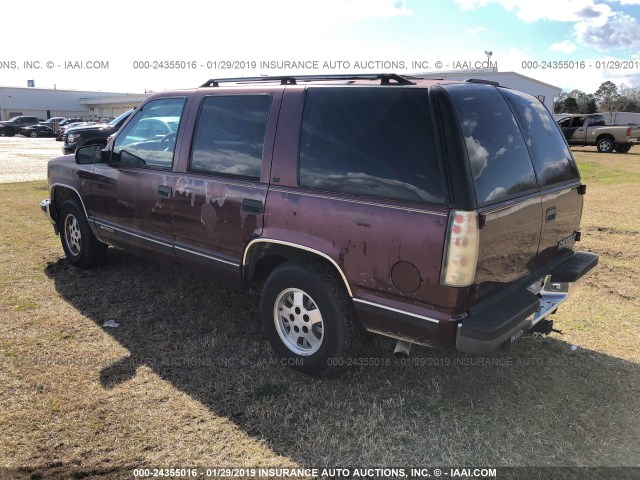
x: 499, y: 160
x: 229, y: 136
x: 549, y: 152
x: 372, y: 141
x: 140, y: 145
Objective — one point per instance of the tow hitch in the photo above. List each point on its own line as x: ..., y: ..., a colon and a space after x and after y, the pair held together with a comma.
x: 545, y: 327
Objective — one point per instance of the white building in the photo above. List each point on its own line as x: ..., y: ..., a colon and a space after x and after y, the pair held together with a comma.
x: 621, y: 118
x: 46, y: 103
x: 545, y: 92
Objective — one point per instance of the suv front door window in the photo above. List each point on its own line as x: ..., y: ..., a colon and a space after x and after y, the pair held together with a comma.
x: 140, y: 143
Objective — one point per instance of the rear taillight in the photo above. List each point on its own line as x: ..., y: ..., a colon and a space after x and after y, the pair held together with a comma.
x: 461, y: 250
x: 629, y: 130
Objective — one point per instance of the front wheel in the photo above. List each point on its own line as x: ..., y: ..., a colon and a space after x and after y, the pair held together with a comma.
x: 80, y: 245
x: 605, y: 145
x: 623, y: 148
x: 33, y: 133
x: 308, y: 317
x: 9, y: 132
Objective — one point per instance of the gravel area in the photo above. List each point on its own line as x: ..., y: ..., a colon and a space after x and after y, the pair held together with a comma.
x: 24, y: 159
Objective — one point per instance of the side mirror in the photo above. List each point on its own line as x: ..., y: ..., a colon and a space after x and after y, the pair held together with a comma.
x: 89, y: 155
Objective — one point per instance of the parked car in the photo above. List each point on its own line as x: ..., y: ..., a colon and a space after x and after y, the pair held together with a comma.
x: 67, y: 121
x: 582, y: 130
x: 432, y: 212
x: 64, y: 128
x: 12, y: 126
x: 94, y: 134
x: 40, y: 130
x: 150, y: 129
x: 53, y: 122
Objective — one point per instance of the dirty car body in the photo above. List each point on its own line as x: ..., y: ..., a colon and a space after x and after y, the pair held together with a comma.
x: 437, y: 213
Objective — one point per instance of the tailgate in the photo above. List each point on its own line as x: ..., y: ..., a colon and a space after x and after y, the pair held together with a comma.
x: 507, y: 197
x: 561, y: 212
x: 509, y: 239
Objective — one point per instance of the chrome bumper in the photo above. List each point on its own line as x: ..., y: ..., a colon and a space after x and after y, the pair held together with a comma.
x: 45, y: 206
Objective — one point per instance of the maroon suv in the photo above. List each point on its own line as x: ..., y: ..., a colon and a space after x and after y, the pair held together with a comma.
x: 438, y: 213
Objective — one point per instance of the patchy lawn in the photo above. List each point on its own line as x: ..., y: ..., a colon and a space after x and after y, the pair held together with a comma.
x: 187, y: 378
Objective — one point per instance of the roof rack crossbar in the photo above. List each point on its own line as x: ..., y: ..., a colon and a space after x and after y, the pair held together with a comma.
x: 385, y: 79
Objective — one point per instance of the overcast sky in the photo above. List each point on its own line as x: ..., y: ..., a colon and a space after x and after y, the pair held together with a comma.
x: 122, y: 32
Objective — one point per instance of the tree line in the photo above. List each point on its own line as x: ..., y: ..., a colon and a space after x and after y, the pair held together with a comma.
x: 607, y: 98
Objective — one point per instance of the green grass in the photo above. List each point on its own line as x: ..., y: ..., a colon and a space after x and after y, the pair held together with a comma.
x: 188, y: 378
x: 592, y: 171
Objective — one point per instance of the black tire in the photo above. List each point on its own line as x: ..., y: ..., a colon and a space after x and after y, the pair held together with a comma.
x: 80, y: 245
x: 325, y: 291
x: 605, y: 145
x: 9, y: 132
x: 33, y: 133
x: 623, y: 148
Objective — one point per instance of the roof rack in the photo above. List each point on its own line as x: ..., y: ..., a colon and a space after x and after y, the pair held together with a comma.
x: 482, y: 80
x: 385, y: 79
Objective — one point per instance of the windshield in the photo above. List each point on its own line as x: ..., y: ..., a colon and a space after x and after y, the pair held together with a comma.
x: 117, y: 120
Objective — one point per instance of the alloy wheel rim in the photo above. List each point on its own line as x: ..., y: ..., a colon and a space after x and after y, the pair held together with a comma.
x: 298, y: 321
x: 72, y: 234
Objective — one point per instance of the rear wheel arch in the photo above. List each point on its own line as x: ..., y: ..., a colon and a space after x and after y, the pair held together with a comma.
x: 262, y: 256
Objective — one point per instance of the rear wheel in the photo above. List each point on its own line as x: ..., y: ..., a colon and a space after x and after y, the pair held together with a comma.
x: 80, y: 245
x: 623, y: 148
x: 308, y: 317
x: 33, y: 133
x: 605, y: 145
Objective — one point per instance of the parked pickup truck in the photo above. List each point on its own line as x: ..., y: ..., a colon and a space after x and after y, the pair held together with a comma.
x: 433, y: 212
x: 582, y: 130
x: 94, y: 134
x: 10, y: 127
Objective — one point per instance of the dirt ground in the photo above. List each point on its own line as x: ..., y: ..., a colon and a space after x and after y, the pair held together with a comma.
x: 24, y: 159
x: 187, y: 378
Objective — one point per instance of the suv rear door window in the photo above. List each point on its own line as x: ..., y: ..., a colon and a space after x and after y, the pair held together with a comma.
x: 551, y: 156
x: 370, y: 141
x: 229, y: 138
x: 499, y: 160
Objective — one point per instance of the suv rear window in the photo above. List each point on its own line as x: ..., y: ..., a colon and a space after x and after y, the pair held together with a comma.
x: 370, y: 141
x: 550, y: 154
x: 499, y: 160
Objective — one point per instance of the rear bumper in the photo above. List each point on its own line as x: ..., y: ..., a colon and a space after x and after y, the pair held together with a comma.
x: 496, y: 321
x: 504, y: 319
